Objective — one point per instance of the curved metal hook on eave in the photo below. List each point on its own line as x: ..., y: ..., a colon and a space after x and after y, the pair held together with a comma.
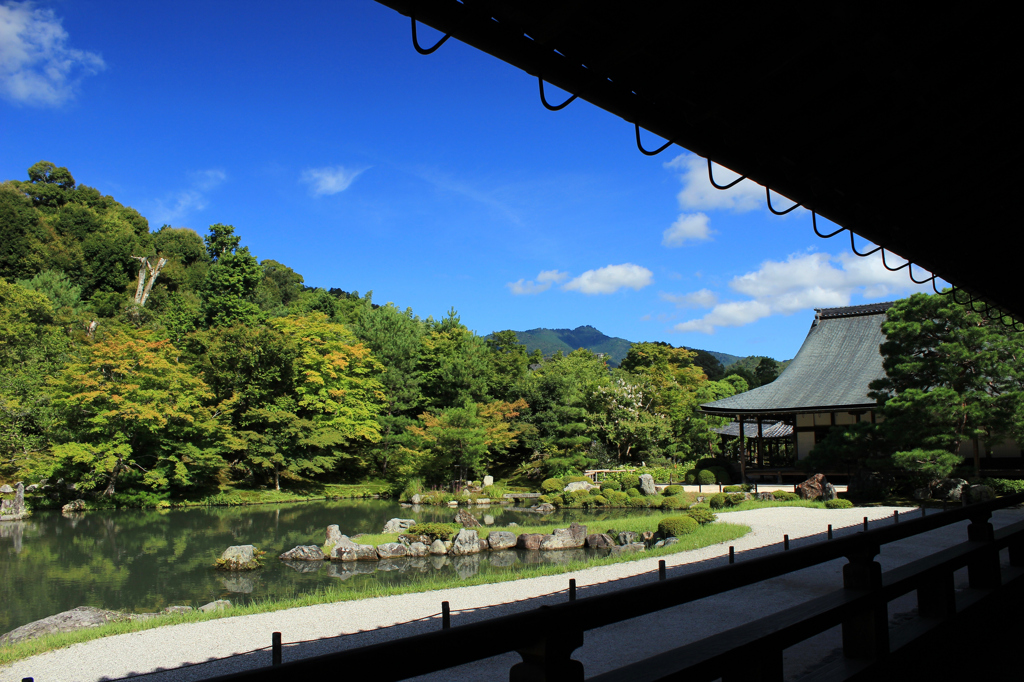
x: 768, y: 194
x: 641, y: 147
x: 862, y: 255
x: 544, y: 101
x: 416, y: 43
x: 814, y: 224
x: 711, y: 177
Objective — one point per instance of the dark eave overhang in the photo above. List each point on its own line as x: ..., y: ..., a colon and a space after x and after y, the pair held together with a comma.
x: 893, y: 121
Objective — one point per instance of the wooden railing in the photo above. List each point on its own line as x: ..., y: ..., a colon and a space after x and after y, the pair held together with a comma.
x: 547, y: 637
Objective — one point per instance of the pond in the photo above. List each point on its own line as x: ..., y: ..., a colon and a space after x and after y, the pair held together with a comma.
x: 144, y: 560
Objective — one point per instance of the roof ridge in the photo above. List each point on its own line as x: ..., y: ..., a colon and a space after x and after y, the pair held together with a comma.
x: 854, y: 310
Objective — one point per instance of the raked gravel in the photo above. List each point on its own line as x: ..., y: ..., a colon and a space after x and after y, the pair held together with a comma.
x: 160, y: 653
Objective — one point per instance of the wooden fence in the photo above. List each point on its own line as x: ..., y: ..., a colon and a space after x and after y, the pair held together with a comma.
x: 546, y: 637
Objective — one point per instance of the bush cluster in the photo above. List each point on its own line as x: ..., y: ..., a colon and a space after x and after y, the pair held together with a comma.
x: 611, y: 484
x: 672, y: 490
x: 701, y: 513
x: 1004, y: 486
x: 838, y: 503
x: 745, y: 488
x: 676, y: 526
x: 552, y: 485
x: 706, y: 477
x: 783, y: 496
x: 435, y: 531
x: 633, y: 492
x: 673, y: 502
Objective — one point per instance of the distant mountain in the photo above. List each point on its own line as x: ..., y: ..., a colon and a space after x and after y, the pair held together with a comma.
x: 549, y: 341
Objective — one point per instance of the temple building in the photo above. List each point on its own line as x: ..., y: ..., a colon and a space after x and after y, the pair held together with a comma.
x: 825, y: 385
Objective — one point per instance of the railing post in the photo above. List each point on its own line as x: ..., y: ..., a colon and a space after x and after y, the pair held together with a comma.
x: 446, y: 615
x: 549, y: 660
x: 275, y: 641
x: 661, y: 569
x: 572, y: 589
x: 732, y: 554
x: 936, y: 598
x: 984, y: 571
x: 785, y: 542
x: 830, y: 531
x: 866, y: 632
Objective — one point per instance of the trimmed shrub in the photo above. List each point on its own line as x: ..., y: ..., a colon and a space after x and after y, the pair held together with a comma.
x: 673, y: 502
x: 637, y: 502
x: 745, y: 488
x: 557, y: 500
x: 672, y: 490
x: 576, y: 479
x: 701, y: 514
x: 722, y: 474
x: 676, y: 526
x: 611, y: 484
x: 435, y: 531
x: 838, y: 503
x: 576, y: 497
x: 594, y: 491
x: 630, y: 481
x: 706, y: 477
x: 691, y: 477
x: 633, y: 492
x: 735, y: 499
x: 491, y: 492
x: 1004, y: 486
x: 783, y: 496
x: 618, y: 499
x: 599, y: 500
x: 552, y: 485
x: 718, y: 501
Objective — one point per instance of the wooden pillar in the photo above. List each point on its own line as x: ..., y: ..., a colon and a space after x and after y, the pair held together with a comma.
x: 760, y: 444
x: 549, y: 660
x: 743, y: 450
x: 866, y: 631
x: 977, y: 458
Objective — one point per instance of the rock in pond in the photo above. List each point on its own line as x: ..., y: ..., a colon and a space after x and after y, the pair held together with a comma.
x: 333, y: 536
x: 572, y: 537
x: 647, y: 485
x: 15, y: 510
x: 398, y: 525
x: 239, y: 558
x: 978, y: 493
x: 627, y: 537
x: 302, y: 553
x: 418, y: 549
x: 545, y: 508
x: 437, y: 547
x: 531, y: 540
x: 219, y: 605
x: 600, y: 541
x: 466, y: 520
x: 391, y: 550
x: 346, y: 550
x: 466, y: 542
x: 502, y: 539
x: 67, y: 621
x: 73, y: 506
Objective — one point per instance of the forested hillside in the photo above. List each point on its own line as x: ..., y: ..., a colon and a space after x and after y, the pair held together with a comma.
x: 146, y: 365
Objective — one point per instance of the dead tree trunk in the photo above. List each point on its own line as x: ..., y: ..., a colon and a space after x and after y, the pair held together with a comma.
x: 144, y: 287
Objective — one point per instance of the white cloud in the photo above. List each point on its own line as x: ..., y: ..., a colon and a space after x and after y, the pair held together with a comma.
x: 698, y: 194
x: 330, y: 179
x: 688, y: 226
x: 177, y: 206
x: 611, y: 278
x: 801, y: 282
x: 544, y: 281
x: 705, y: 298
x: 37, y: 67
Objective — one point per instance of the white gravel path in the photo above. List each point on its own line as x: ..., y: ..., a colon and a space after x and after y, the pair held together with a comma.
x: 379, y: 619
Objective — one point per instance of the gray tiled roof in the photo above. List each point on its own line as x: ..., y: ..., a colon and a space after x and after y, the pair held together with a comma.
x: 837, y: 361
x: 768, y: 430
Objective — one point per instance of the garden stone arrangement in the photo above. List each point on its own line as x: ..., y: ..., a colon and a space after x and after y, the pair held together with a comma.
x: 423, y: 546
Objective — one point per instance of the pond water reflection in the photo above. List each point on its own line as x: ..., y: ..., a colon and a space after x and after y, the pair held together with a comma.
x: 145, y: 560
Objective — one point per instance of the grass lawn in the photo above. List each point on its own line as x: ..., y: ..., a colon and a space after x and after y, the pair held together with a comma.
x: 710, y: 534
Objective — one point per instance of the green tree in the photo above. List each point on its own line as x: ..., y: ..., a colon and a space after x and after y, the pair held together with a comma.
x: 453, y: 364
x: 951, y: 376
x: 767, y: 371
x: 229, y: 291
x: 135, y: 413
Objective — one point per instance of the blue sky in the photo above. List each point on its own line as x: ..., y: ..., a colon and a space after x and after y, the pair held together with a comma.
x: 436, y: 182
